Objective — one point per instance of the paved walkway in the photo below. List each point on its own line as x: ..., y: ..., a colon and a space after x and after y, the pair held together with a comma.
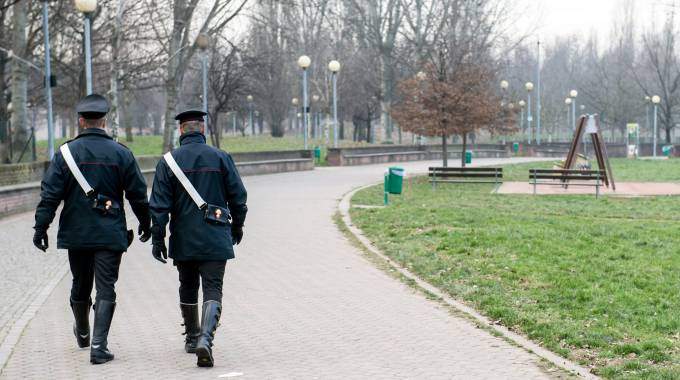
x: 300, y: 303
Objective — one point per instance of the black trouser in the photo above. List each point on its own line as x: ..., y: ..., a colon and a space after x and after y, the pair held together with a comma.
x: 98, y: 266
x: 190, y: 275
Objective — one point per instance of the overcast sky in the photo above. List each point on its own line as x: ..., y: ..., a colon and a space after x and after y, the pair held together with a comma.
x: 569, y: 17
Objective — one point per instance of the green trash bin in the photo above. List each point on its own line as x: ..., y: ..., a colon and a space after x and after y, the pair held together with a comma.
x: 395, y: 180
x: 317, y: 153
x: 667, y: 150
x: 468, y: 156
x: 515, y: 147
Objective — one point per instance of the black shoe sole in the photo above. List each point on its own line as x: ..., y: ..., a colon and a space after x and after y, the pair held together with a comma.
x: 205, y: 358
x: 100, y: 360
x: 82, y: 342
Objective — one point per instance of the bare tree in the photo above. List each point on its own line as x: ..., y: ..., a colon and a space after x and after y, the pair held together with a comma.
x: 181, y: 47
x: 378, y: 23
x: 228, y: 80
x: 663, y: 76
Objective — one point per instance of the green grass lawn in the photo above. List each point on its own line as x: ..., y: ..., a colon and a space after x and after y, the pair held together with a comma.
x: 595, y: 280
x: 625, y: 170
x: 152, y: 145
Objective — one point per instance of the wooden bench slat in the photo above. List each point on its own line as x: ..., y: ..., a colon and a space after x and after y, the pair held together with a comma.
x: 382, y: 154
x: 566, y: 177
x: 470, y: 175
x: 592, y: 184
x: 564, y: 171
x: 436, y: 169
x: 454, y: 181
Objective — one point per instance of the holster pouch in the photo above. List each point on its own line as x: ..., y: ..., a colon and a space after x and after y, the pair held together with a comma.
x: 216, y: 215
x: 105, y: 205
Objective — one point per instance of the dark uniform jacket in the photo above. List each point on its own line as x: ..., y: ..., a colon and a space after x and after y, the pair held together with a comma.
x: 213, y: 173
x: 111, y: 170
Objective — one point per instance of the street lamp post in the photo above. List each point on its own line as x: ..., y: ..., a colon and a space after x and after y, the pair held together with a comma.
x: 529, y: 86
x: 504, y: 90
x: 296, y: 122
x: 293, y: 121
x: 522, y: 104
x: 538, y: 93
x: 48, y: 80
x: 314, y: 115
x: 573, y: 94
x: 250, y: 113
x: 10, y: 109
x: 421, y: 76
x: 568, y: 102
x: 656, y: 100
x: 648, y: 101
x: 304, y: 62
x: 87, y: 7
x: 334, y: 67
x: 203, y: 41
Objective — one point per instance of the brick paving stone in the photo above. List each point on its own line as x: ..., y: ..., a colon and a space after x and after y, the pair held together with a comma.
x: 24, y: 270
x: 300, y: 303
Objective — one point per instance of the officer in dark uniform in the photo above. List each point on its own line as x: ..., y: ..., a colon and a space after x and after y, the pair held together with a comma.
x: 92, y: 227
x: 199, y: 248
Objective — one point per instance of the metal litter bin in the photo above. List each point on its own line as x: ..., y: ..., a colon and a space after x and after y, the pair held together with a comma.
x: 667, y: 150
x: 468, y: 156
x: 395, y: 180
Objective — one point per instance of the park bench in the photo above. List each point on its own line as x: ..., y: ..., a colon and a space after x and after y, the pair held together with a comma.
x: 565, y: 178
x: 479, y: 153
x: 465, y: 175
x: 362, y: 158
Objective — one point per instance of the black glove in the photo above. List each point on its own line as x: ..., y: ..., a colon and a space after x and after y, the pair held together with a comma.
x: 144, y: 232
x: 40, y: 239
x: 236, y: 235
x: 160, y: 252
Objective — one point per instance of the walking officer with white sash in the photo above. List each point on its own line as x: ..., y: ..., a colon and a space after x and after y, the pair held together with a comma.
x: 198, y: 190
x: 91, y: 174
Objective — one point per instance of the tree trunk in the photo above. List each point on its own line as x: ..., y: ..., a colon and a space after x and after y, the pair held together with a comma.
x: 669, y: 124
x: 341, y: 134
x: 445, y: 152
x: 126, y: 114
x: 462, y: 156
x: 368, y: 130
x: 64, y: 125
x: 72, y: 123
x: 173, y: 79
x: 4, y: 131
x: 385, y: 101
x: 19, y: 77
x: 170, y: 104
x: 157, y: 123
x: 115, y: 73
x: 216, y: 130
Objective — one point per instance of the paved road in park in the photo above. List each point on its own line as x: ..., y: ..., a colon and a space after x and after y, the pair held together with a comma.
x: 300, y: 303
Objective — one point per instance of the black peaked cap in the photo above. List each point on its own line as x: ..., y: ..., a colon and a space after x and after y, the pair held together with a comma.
x: 190, y: 115
x: 93, y: 106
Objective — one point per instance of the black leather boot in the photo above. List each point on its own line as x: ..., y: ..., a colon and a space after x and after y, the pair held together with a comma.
x: 192, y: 329
x: 211, y: 317
x: 81, y: 325
x: 103, y: 313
